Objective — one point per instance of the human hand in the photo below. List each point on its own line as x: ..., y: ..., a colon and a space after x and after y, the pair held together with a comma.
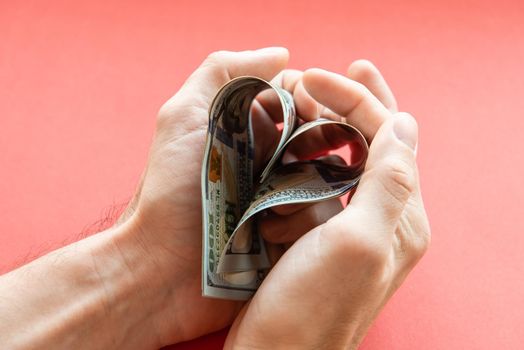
x: 138, y: 283
x: 166, y: 210
x: 325, y: 291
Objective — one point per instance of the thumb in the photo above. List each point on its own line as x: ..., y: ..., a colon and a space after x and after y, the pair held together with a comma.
x: 390, y: 175
x: 188, y: 109
x: 221, y: 66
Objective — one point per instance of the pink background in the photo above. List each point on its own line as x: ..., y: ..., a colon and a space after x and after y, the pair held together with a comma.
x: 81, y: 82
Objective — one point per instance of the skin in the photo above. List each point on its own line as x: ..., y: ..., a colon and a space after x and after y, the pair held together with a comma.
x: 137, y: 285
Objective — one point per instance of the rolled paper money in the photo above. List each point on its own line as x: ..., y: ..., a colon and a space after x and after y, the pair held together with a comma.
x: 234, y: 256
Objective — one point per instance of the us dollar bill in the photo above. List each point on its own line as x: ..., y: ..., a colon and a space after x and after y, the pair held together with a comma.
x: 234, y: 256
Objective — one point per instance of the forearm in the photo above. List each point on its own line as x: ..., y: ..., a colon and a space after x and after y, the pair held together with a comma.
x: 96, y: 293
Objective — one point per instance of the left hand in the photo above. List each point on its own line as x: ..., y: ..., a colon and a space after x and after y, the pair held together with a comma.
x: 166, y: 210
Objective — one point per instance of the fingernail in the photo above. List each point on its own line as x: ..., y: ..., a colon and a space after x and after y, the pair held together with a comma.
x: 406, y: 129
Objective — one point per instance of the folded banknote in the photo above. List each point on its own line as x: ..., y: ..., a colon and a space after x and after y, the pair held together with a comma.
x: 234, y: 256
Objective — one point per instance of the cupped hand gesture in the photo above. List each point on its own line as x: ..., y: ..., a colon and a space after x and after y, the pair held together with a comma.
x: 342, y: 265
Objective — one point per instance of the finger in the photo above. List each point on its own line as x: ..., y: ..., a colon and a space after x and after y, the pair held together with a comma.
x: 220, y: 67
x: 308, y: 108
x: 390, y: 177
x: 267, y: 111
x: 365, y: 72
x: 290, y: 80
x: 361, y: 71
x: 269, y: 100
x: 266, y: 136
x: 347, y: 98
x: 285, y: 229
x: 319, y: 140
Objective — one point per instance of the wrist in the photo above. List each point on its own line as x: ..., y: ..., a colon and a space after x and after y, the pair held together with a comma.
x: 135, y: 293
x: 95, y: 293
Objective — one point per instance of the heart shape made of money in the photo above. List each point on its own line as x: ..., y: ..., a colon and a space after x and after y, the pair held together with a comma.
x: 235, y: 259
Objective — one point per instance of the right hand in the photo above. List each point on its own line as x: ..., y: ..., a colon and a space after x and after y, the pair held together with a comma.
x: 326, y: 289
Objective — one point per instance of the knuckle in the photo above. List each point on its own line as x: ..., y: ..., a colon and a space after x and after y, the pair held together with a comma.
x: 172, y: 113
x: 407, y: 115
x: 424, y: 238
x: 354, y: 243
x: 165, y: 111
x: 372, y: 256
x: 289, y: 79
x: 420, y: 248
x: 168, y: 110
x: 413, y: 235
x: 216, y: 55
x: 361, y: 94
x: 398, y: 178
x: 415, y: 251
x: 216, y: 58
x: 363, y: 91
x: 164, y: 115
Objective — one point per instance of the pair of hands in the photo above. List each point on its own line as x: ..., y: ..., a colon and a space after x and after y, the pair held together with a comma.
x: 341, y: 265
